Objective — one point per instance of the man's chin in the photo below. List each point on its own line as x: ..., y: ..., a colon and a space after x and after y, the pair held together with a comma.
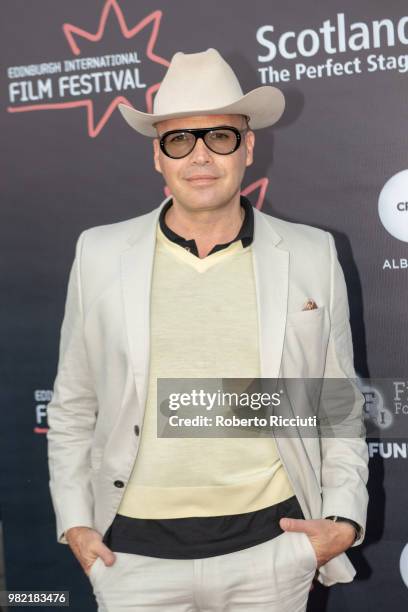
x: 200, y: 194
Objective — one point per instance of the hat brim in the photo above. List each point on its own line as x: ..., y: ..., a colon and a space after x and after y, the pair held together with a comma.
x: 264, y: 106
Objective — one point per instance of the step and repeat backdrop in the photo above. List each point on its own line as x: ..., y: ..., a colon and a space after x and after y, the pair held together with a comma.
x: 338, y: 160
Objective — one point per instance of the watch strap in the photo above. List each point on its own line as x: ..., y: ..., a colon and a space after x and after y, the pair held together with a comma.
x: 343, y: 519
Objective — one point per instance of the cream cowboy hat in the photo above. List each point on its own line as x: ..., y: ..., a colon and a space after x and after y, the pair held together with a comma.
x: 204, y: 84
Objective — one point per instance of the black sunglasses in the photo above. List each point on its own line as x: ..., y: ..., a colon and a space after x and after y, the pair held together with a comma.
x: 222, y: 139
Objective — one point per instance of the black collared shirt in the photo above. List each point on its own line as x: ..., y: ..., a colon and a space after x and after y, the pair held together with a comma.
x: 245, y: 234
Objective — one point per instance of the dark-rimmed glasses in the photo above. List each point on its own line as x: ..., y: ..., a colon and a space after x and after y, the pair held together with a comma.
x: 223, y: 140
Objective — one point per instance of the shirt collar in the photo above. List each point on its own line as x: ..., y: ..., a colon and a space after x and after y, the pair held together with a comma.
x: 245, y: 234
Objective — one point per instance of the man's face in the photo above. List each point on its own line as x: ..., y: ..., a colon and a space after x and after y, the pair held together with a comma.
x: 226, y: 171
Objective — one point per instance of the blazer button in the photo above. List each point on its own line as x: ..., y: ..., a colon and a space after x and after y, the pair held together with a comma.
x: 119, y: 484
x: 137, y: 430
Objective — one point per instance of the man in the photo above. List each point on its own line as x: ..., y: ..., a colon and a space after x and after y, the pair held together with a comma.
x: 201, y: 287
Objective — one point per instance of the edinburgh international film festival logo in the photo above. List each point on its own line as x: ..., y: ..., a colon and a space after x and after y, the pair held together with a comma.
x: 91, y: 81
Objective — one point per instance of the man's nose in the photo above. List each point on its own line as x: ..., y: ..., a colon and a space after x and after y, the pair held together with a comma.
x: 201, y: 154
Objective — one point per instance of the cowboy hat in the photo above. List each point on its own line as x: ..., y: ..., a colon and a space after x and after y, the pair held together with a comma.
x: 204, y: 84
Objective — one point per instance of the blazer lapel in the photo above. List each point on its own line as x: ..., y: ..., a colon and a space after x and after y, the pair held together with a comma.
x: 136, y: 276
x: 271, y: 269
x: 271, y: 264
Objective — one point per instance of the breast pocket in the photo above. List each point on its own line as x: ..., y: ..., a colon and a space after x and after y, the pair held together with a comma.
x: 306, y: 317
x: 305, y: 346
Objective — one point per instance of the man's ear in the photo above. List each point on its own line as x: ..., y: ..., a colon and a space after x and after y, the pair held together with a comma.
x: 156, y: 152
x: 249, y: 144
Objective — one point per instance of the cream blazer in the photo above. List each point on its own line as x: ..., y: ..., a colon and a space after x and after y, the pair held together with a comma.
x: 95, y: 416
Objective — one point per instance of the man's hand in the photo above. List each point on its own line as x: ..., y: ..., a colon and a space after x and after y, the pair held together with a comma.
x: 87, y: 546
x: 327, y: 537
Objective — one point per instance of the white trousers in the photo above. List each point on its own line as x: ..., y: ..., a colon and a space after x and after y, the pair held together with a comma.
x: 274, y: 576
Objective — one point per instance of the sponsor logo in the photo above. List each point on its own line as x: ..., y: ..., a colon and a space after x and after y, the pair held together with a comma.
x: 393, y: 211
x: 330, y: 40
x: 388, y: 450
x: 404, y: 565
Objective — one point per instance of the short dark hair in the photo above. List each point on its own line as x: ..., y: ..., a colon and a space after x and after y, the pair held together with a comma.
x: 246, y: 118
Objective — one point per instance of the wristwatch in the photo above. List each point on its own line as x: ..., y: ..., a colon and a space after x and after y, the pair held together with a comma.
x: 342, y: 519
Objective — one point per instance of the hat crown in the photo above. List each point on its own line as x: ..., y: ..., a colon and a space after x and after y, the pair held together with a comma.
x: 197, y: 80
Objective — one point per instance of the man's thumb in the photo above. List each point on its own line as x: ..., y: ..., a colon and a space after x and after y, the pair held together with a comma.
x: 107, y: 556
x: 290, y: 524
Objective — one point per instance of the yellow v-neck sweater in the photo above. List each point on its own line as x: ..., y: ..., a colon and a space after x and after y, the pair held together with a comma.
x: 203, y: 324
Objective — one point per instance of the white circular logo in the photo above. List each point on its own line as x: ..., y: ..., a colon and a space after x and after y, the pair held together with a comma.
x: 404, y: 564
x: 393, y: 205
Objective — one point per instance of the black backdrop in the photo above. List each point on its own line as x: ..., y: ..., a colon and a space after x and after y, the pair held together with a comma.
x: 70, y: 162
